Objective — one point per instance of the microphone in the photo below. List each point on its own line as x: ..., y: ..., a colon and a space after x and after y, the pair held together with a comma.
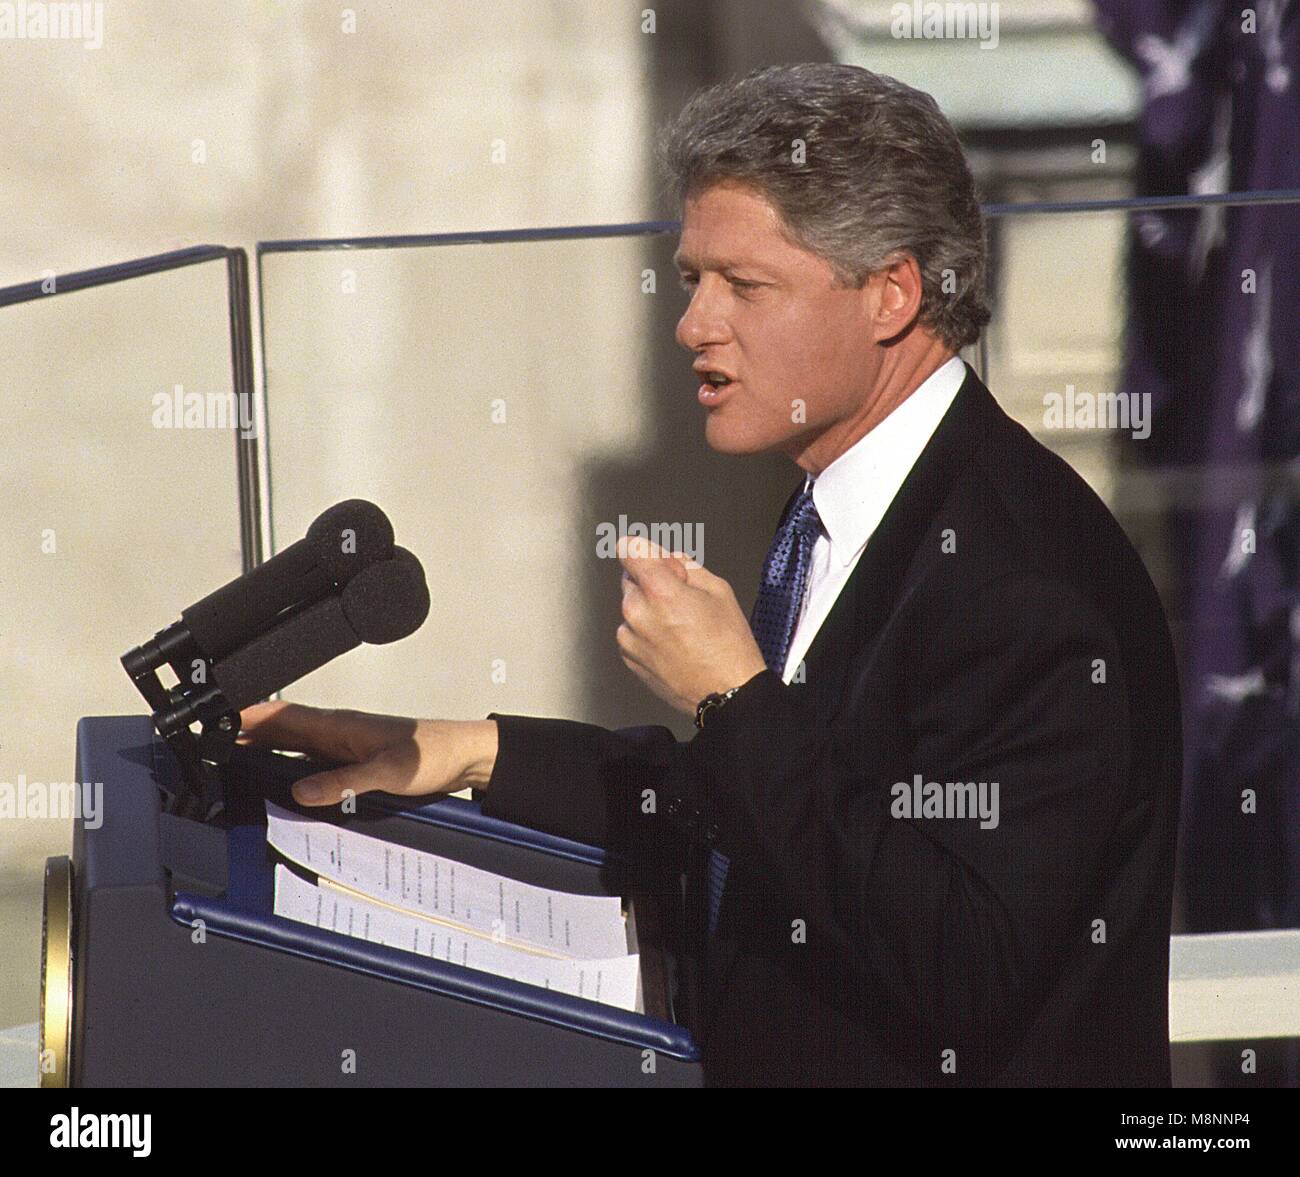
x: 344, y: 583
x: 342, y: 541
x: 381, y: 604
x: 340, y: 544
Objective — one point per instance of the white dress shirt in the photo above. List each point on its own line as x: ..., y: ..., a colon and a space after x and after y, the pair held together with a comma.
x: 853, y: 493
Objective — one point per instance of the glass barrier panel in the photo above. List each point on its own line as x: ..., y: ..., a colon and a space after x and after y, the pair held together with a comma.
x: 118, y: 503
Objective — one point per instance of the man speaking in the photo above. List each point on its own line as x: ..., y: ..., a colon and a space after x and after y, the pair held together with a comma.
x: 927, y: 823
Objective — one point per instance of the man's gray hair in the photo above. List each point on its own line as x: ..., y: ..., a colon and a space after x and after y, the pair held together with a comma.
x: 859, y: 166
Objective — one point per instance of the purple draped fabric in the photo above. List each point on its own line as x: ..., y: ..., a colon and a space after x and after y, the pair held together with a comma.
x: 1214, y: 339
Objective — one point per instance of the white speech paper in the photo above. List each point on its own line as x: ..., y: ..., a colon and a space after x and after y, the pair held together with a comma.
x: 576, y: 927
x: 610, y: 982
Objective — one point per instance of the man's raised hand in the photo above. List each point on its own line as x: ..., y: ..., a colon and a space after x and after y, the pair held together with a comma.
x: 683, y: 632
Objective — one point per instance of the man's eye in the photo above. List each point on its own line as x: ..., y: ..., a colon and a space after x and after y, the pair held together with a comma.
x: 689, y: 282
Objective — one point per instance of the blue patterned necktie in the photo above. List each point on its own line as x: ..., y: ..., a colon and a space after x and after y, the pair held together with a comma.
x: 775, y: 617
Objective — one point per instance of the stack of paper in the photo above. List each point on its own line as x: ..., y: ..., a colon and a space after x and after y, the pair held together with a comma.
x: 441, y: 908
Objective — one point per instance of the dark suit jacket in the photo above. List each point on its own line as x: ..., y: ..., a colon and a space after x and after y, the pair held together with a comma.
x: 998, y: 627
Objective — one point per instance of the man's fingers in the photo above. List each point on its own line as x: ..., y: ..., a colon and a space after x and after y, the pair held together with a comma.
x: 646, y: 563
x: 329, y: 788
x: 277, y: 724
x: 629, y: 645
x: 293, y: 727
x: 697, y: 576
x: 260, y: 713
x: 639, y: 548
x: 392, y: 770
x: 642, y: 672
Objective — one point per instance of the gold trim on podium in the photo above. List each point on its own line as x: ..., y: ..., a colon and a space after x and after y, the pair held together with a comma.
x: 55, y: 1046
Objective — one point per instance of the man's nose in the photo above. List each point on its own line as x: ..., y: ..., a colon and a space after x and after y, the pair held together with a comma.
x: 703, y: 322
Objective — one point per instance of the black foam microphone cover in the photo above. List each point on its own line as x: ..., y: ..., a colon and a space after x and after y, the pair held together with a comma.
x: 341, y: 543
x: 388, y: 600
x: 303, y: 642
x: 350, y: 536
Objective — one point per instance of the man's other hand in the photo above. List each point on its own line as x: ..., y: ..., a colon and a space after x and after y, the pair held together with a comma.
x: 683, y: 634
x: 378, y: 753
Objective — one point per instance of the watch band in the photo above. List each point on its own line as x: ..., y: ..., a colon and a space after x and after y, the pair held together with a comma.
x: 711, y: 702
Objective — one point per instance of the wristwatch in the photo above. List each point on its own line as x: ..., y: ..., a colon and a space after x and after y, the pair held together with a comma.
x: 711, y: 702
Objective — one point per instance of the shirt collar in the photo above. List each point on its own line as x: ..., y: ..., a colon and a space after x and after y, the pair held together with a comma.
x: 853, y: 493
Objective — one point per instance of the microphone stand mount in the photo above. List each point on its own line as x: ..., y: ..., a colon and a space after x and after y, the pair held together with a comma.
x: 202, y: 756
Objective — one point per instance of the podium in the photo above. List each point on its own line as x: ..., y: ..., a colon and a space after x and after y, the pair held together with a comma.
x: 164, y: 965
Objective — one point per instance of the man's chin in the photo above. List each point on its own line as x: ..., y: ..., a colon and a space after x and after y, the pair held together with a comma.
x: 726, y: 444
x: 723, y: 439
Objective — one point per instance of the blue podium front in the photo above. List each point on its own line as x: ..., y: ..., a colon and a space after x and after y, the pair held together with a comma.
x: 181, y: 974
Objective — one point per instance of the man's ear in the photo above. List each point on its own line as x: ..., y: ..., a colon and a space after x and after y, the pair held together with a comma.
x: 897, y: 302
